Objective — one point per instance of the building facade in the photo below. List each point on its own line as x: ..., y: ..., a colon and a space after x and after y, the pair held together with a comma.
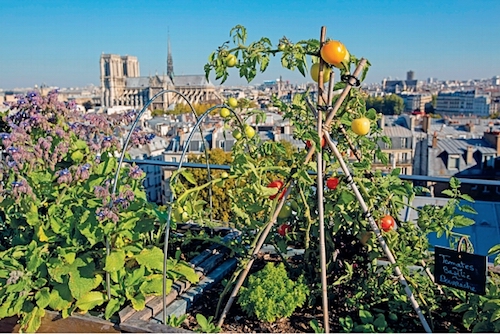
x: 122, y: 85
x: 464, y: 103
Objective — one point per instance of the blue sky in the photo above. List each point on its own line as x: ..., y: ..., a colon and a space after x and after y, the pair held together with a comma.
x: 59, y: 42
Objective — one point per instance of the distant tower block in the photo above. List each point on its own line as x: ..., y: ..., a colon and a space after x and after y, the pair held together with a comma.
x: 410, y: 75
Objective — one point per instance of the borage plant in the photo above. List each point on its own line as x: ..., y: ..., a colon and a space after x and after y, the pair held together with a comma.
x: 57, y: 208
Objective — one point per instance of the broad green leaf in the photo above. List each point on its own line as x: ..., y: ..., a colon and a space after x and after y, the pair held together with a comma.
x: 115, y: 261
x: 151, y: 258
x: 154, y: 285
x: 90, y: 300
x: 495, y: 316
x: 112, y: 307
x: 60, y: 297
x: 138, y: 301
x: 32, y: 215
x: 380, y: 323
x: 202, y: 320
x: 42, y: 297
x: 494, y: 249
x: 135, y: 276
x: 346, y: 197
x: 83, y: 278
x: 34, y: 319
x: 491, y: 305
x: 189, y: 177
x: 365, y: 316
x: 461, y: 308
x: 187, y: 272
x: 41, y: 234
x: 468, y: 318
x: 5, y: 306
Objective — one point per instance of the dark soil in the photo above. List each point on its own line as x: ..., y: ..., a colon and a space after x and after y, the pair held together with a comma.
x: 239, y: 322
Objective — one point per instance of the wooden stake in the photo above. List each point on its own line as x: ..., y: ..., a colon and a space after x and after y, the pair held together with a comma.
x: 319, y: 190
x: 375, y: 228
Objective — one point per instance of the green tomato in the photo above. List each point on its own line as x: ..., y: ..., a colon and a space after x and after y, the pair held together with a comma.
x: 224, y: 113
x: 232, y: 102
x: 237, y: 134
x: 286, y: 211
x: 249, y: 132
x: 231, y: 60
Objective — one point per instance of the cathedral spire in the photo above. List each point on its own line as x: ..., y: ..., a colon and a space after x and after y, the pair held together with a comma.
x: 170, y: 62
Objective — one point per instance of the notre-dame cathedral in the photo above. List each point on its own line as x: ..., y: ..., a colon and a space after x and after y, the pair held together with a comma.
x: 122, y: 84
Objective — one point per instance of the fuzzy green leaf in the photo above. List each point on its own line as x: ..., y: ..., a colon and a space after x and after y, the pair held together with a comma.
x: 154, y: 285
x: 151, y: 258
x: 112, y: 307
x: 115, y: 261
x: 90, y: 300
x: 42, y: 297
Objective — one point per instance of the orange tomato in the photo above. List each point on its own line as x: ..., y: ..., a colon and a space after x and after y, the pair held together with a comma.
x: 333, y: 52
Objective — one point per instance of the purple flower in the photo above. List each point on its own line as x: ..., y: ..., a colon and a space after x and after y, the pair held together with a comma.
x: 21, y: 187
x: 106, y: 213
x: 64, y: 176
x: 101, y: 192
x: 82, y: 173
x: 121, y: 202
x: 135, y: 172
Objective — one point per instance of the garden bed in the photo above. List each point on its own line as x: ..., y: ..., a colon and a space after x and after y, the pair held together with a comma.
x: 238, y: 322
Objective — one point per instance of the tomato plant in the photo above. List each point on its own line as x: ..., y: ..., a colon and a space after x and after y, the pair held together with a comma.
x: 309, y: 143
x: 249, y: 131
x: 286, y: 211
x: 237, y: 134
x: 350, y: 245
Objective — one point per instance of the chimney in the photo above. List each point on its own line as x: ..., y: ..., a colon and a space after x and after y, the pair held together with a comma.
x: 426, y: 123
x: 493, y: 137
x: 434, y: 140
x: 469, y: 159
x: 469, y: 127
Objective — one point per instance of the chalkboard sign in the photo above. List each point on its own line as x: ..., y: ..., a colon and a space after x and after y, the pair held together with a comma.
x: 460, y: 270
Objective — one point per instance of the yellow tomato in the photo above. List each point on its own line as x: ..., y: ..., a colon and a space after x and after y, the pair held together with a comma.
x: 361, y: 126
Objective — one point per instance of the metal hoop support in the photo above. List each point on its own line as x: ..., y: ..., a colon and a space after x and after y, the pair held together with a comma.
x: 115, y: 182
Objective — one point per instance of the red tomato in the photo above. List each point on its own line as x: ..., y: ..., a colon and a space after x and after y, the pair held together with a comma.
x: 284, y: 229
x: 309, y: 143
x: 277, y: 184
x: 332, y: 183
x: 387, y: 223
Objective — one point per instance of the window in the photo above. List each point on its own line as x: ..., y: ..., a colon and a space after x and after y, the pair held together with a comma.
x: 404, y: 142
x: 453, y: 162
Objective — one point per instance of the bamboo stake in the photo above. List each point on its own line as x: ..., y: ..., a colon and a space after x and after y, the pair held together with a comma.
x: 256, y: 251
x: 375, y: 228
x: 319, y: 189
